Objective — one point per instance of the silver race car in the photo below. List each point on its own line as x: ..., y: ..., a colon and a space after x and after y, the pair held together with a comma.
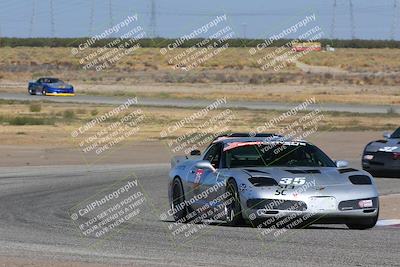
x: 382, y: 157
x: 268, y: 180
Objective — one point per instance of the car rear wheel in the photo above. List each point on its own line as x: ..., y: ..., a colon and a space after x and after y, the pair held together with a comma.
x: 367, y: 224
x: 180, y: 211
x: 44, y: 91
x: 233, y: 208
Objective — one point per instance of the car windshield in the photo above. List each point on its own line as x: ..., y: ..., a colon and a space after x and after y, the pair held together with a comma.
x: 396, y: 134
x: 264, y: 155
x: 52, y: 80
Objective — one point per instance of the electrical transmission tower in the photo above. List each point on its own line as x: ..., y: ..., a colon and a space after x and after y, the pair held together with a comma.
x: 333, y: 25
x: 395, y: 20
x: 110, y: 16
x: 110, y: 13
x: 153, y: 22
x: 91, y: 18
x: 353, y: 35
x: 32, y: 22
x: 53, y: 30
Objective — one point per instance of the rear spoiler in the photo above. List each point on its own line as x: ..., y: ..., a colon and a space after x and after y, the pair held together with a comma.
x: 178, y: 159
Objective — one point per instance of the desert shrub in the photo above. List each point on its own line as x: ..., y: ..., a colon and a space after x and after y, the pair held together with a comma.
x: 35, y: 107
x: 68, y: 114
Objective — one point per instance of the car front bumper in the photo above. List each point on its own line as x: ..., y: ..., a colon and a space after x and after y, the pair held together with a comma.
x: 60, y: 92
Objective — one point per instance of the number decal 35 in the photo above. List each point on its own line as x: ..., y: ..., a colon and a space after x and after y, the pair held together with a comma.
x: 293, y: 181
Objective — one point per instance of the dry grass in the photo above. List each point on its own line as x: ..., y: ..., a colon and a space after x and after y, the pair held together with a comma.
x: 357, y: 60
x: 158, y: 119
x: 147, y: 65
x: 233, y: 73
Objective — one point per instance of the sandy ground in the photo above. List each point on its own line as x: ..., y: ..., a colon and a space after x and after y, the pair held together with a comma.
x: 339, y: 145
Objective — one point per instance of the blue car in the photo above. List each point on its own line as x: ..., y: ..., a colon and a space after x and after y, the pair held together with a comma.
x: 50, y: 87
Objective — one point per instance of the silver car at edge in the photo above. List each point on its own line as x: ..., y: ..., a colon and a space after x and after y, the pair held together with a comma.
x: 267, y: 176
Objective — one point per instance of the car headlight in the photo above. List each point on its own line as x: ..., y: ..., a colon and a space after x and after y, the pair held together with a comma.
x: 368, y: 157
x: 367, y: 203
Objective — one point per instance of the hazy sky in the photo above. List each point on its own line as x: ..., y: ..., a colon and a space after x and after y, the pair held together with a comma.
x: 173, y: 18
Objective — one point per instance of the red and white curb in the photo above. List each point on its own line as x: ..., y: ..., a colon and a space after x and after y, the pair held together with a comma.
x: 388, y: 223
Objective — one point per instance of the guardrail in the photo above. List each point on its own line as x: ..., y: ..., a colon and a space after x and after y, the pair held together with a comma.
x: 13, y: 84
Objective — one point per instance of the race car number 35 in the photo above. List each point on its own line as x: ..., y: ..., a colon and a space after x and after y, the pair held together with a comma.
x: 293, y: 181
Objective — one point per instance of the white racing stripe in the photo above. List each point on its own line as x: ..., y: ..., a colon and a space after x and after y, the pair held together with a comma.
x: 388, y: 223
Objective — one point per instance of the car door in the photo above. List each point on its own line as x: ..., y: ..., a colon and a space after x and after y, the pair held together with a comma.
x: 199, y: 180
x: 39, y: 85
x: 35, y: 86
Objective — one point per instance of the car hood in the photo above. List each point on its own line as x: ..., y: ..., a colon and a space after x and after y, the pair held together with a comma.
x: 322, y: 176
x: 392, y: 144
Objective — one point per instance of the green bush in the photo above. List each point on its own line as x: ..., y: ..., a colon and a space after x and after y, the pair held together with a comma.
x: 163, y: 42
x: 35, y: 107
x: 94, y: 112
x: 23, y: 120
x: 69, y: 114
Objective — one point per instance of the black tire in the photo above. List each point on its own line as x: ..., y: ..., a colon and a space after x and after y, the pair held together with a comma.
x: 366, y: 224
x: 178, y: 197
x: 234, y: 209
x: 31, y: 92
x: 44, y: 91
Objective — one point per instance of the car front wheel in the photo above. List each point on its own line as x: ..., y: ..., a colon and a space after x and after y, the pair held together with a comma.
x: 233, y: 208
x: 179, y: 209
x: 366, y: 224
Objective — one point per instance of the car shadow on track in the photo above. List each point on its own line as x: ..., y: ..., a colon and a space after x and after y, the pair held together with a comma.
x: 310, y: 227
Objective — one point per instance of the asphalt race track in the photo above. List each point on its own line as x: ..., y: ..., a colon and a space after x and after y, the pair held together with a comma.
x: 35, y: 223
x: 263, y: 105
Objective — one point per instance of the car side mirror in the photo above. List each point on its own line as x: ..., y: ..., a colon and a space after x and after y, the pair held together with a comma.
x: 205, y: 164
x: 341, y: 163
x: 195, y: 152
x: 386, y: 135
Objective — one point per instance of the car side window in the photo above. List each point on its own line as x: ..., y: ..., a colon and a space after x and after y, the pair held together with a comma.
x: 213, y: 155
x: 40, y: 80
